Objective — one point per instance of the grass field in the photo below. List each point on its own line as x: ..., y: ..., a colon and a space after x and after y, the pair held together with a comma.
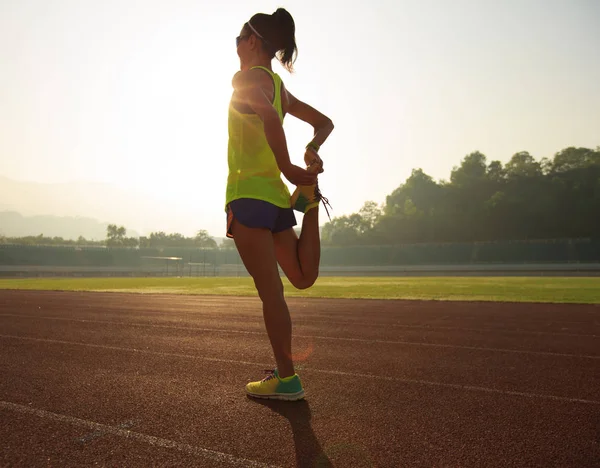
x: 502, y: 289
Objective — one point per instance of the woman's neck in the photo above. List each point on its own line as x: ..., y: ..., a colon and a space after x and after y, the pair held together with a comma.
x: 257, y: 62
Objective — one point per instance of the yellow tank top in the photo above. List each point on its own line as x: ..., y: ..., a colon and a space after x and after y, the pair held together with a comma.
x: 253, y: 170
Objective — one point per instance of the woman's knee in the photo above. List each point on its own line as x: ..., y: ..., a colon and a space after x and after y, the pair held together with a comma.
x: 304, y: 281
x: 269, y: 289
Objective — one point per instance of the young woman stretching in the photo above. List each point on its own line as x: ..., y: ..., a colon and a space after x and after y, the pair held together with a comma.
x: 260, y: 210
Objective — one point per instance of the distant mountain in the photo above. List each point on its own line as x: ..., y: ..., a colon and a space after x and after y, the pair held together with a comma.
x: 72, y: 209
x: 94, y: 205
x: 14, y: 224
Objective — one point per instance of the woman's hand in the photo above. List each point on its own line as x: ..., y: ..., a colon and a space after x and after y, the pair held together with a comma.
x: 311, y: 157
x: 298, y: 176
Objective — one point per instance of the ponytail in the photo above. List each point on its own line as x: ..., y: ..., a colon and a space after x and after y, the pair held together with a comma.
x: 278, y: 33
x: 287, y: 32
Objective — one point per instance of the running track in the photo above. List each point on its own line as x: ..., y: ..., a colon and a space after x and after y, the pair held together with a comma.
x: 95, y: 379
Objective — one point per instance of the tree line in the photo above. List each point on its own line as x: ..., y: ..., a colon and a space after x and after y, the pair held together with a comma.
x: 524, y: 199
x: 116, y: 236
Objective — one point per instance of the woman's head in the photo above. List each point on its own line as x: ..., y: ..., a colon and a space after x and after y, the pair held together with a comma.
x: 271, y: 35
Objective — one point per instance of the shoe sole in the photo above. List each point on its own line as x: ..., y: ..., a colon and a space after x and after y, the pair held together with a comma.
x: 279, y: 396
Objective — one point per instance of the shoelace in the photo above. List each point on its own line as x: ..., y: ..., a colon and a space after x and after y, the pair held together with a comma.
x: 319, y: 195
x: 270, y: 374
x: 321, y: 198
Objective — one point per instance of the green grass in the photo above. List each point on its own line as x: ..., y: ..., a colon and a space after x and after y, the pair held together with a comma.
x: 504, y: 289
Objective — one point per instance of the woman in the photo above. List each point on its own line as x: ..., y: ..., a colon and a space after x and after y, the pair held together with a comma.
x: 260, y: 210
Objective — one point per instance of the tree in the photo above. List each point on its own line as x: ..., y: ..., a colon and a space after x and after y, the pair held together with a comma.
x: 495, y: 172
x: 344, y: 230
x: 370, y: 213
x: 575, y: 158
x: 411, y: 212
x: 158, y: 239
x: 524, y: 199
x: 131, y: 242
x: 575, y: 185
x: 227, y: 244
x: 472, y: 170
x: 115, y: 236
x: 422, y: 191
x: 523, y: 165
x: 204, y: 240
x: 144, y: 242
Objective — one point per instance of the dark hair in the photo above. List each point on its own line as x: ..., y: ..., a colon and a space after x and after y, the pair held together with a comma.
x: 279, y: 33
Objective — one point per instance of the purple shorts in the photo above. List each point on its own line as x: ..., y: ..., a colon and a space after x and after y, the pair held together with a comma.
x: 255, y: 213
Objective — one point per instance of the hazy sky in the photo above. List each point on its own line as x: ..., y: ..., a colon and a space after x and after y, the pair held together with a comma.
x: 135, y: 93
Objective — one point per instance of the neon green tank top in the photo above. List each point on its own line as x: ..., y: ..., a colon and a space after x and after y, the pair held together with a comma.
x: 253, y: 170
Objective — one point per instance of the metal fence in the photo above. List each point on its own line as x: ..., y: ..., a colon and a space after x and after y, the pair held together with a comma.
x: 555, y: 255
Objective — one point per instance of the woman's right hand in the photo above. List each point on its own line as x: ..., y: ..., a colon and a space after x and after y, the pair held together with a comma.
x: 312, y: 157
x: 298, y: 176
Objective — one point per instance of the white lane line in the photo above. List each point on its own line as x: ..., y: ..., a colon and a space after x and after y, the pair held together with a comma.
x: 462, y: 387
x: 442, y: 327
x: 224, y: 309
x: 322, y: 371
x: 320, y: 337
x: 135, y: 350
x: 218, y: 457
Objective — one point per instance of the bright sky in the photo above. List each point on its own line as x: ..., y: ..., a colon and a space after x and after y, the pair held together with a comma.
x: 135, y: 93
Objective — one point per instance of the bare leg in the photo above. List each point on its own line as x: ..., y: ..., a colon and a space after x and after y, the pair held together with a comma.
x: 299, y: 258
x: 309, y: 244
x: 257, y: 250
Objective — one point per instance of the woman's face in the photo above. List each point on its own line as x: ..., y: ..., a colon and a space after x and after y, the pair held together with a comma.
x: 246, y: 45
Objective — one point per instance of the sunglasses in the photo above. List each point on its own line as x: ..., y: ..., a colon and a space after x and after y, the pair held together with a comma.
x: 240, y: 39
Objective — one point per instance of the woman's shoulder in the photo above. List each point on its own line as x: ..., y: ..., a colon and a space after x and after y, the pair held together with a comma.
x: 251, y: 78
x: 246, y: 78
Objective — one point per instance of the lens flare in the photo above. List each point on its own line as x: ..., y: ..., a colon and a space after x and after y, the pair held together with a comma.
x: 304, y: 353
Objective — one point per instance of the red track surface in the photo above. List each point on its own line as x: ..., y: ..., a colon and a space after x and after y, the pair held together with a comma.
x: 136, y: 380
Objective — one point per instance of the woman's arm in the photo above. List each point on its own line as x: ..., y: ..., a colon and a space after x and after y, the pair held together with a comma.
x: 249, y: 90
x: 322, y: 124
